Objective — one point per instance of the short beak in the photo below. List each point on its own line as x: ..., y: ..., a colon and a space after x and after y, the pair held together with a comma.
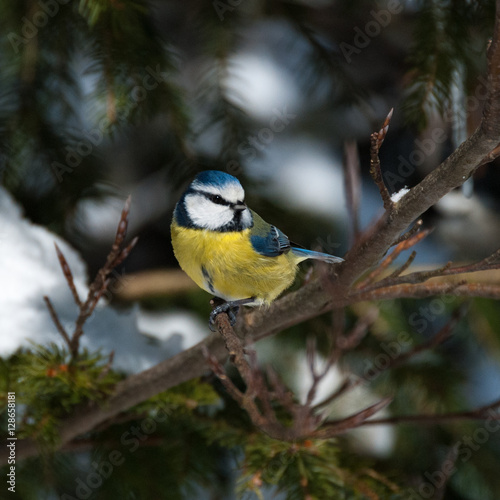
x: 239, y: 207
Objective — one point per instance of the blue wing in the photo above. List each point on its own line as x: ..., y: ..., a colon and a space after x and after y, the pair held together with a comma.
x: 266, y: 239
x: 273, y: 244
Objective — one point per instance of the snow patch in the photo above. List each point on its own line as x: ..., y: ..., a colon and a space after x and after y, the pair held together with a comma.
x: 395, y: 197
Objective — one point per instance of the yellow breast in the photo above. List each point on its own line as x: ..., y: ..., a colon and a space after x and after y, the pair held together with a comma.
x: 226, y: 265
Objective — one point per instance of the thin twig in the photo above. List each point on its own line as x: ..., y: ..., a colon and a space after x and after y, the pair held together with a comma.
x: 377, y: 138
x: 405, y: 266
x: 481, y: 413
x: 422, y: 290
x: 234, y: 346
x: 97, y: 287
x: 101, y: 281
x: 418, y: 224
x: 490, y: 262
x: 389, y: 259
x: 55, y: 319
x: 412, y: 278
x: 68, y: 275
x: 352, y: 339
x: 349, y: 382
x: 305, y: 418
x: 336, y: 427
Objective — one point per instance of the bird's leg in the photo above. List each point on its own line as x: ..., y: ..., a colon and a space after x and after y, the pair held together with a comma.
x: 231, y: 308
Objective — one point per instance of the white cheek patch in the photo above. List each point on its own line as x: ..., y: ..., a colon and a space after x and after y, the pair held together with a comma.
x: 203, y: 213
x: 246, y: 219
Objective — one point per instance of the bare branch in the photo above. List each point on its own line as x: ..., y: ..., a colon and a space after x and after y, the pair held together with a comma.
x: 450, y: 174
x: 96, y: 288
x: 489, y: 263
x: 57, y: 322
x: 377, y: 139
x: 304, y: 421
x: 305, y: 418
x: 68, y: 275
x: 404, y: 245
x: 405, y: 266
x: 334, y: 428
x: 415, y: 228
x: 233, y: 345
x: 481, y: 413
x: 352, y: 339
x: 417, y: 277
x: 101, y: 281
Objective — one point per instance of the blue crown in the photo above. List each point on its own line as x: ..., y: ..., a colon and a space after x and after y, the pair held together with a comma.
x: 215, y: 178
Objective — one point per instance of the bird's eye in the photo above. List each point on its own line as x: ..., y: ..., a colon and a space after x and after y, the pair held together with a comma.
x: 215, y: 198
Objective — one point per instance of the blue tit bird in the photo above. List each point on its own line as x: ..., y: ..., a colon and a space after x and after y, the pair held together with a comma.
x: 228, y: 250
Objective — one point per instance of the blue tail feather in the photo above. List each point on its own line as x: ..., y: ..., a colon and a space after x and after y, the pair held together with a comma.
x: 310, y: 254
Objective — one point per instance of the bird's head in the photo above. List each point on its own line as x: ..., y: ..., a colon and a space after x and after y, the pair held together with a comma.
x: 214, y: 201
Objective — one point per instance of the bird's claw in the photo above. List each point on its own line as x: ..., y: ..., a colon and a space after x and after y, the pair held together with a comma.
x: 227, y: 307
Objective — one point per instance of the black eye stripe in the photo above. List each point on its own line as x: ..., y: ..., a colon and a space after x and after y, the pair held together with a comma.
x: 217, y: 199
